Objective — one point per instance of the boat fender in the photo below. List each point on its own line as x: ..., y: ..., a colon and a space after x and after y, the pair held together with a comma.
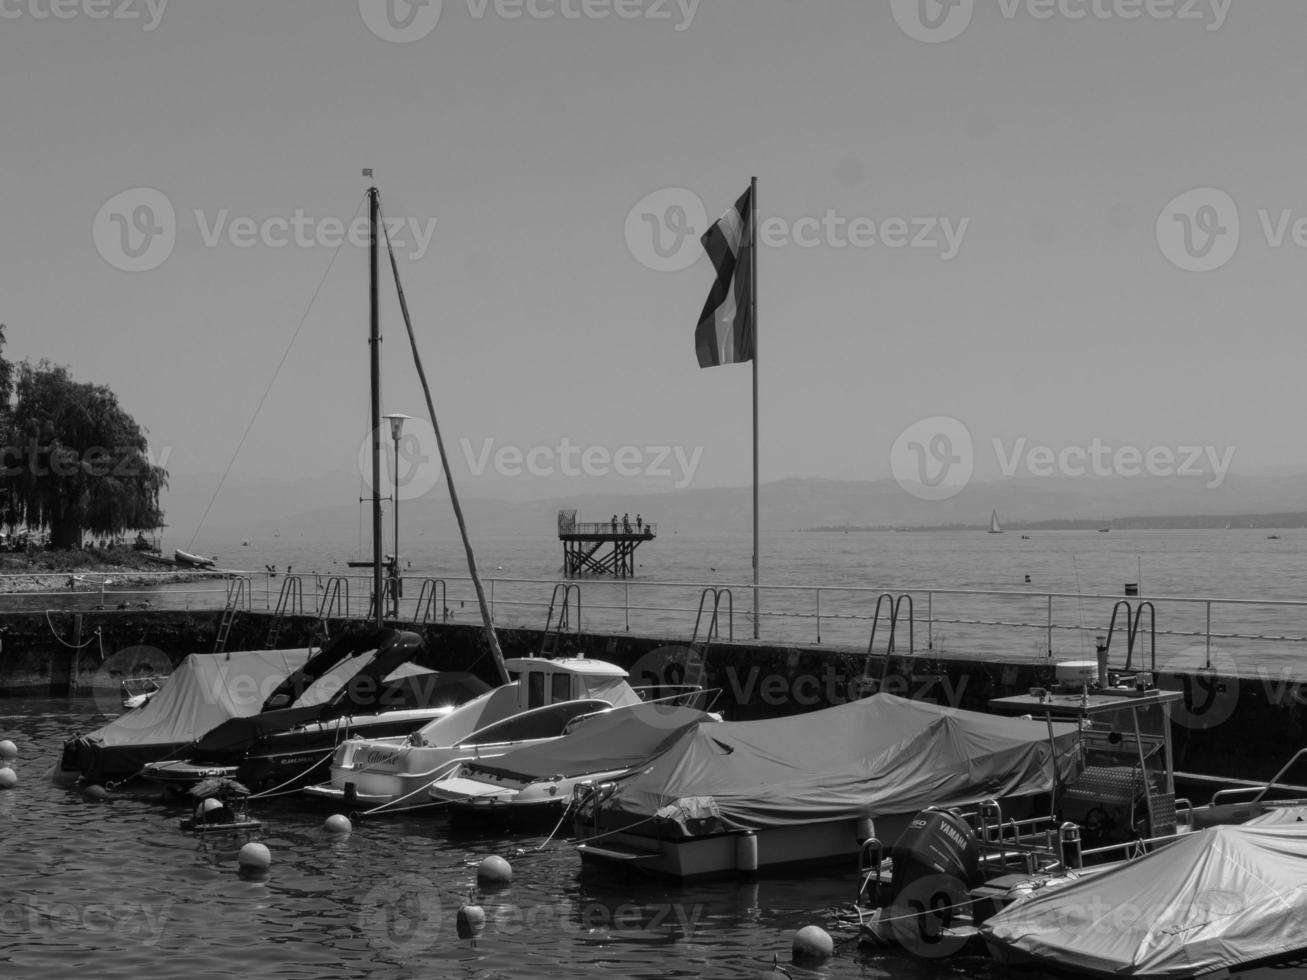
x: 812, y: 944
x: 494, y: 871
x: 471, y: 919
x: 746, y: 852
x: 254, y: 857
x: 866, y: 830
x: 1068, y: 837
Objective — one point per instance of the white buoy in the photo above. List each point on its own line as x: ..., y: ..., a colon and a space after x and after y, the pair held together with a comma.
x: 205, y: 807
x: 471, y: 919
x: 494, y: 870
x: 254, y: 857
x: 95, y: 793
x: 8, y: 750
x: 812, y: 943
x: 8, y: 778
x: 338, y: 823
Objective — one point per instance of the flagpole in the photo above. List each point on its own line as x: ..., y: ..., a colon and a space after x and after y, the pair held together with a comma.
x: 753, y: 301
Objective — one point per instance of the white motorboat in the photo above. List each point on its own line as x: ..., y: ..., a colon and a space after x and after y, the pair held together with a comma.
x: 537, y: 781
x: 543, y: 699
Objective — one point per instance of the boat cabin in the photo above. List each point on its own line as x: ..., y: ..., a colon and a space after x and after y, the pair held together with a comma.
x: 1122, y: 783
x: 542, y: 681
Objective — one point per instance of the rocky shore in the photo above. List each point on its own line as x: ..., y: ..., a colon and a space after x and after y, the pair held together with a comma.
x: 86, y: 571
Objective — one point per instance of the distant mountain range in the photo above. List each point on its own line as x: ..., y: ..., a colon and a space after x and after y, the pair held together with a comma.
x: 315, y: 506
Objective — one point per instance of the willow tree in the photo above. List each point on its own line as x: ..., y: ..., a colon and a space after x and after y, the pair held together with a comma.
x: 74, y: 461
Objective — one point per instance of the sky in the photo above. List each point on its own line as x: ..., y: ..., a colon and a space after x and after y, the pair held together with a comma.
x: 1055, y: 224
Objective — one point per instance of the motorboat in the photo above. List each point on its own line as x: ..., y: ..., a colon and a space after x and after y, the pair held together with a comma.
x: 202, y: 692
x: 186, y: 558
x: 534, y: 782
x: 545, y: 696
x: 933, y: 891
x: 785, y: 793
x: 1220, y: 902
x: 371, y: 681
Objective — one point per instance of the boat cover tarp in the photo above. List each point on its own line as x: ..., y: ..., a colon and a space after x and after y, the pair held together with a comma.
x: 405, y: 686
x: 611, y: 741
x: 1216, y: 899
x: 204, y: 690
x: 879, y: 755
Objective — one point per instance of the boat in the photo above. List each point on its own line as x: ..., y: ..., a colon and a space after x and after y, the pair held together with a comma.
x: 793, y: 792
x: 1219, y: 902
x: 535, y: 782
x: 545, y: 696
x: 186, y: 558
x: 137, y: 691
x: 203, y: 691
x: 993, y: 523
x: 1116, y: 805
x: 370, y: 681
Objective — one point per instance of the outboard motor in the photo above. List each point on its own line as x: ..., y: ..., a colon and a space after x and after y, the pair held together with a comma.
x: 936, y: 863
x: 936, y: 843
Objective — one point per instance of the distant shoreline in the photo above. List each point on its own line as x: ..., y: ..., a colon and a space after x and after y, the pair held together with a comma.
x: 1236, y: 522
x: 53, y: 571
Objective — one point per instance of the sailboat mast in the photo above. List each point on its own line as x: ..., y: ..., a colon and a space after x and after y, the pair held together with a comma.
x: 374, y: 340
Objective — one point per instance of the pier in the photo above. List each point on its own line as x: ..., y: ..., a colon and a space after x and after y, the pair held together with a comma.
x: 603, y: 548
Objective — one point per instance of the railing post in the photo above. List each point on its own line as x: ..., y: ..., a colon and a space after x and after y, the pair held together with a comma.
x: 819, y: 615
x: 1208, y: 605
x: 626, y: 602
x: 1050, y: 624
x: 492, y: 602
x: 930, y: 621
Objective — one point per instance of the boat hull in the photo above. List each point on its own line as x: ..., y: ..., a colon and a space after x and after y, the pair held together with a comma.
x: 778, y: 849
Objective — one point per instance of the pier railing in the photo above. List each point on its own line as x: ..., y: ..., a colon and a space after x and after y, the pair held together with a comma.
x: 1228, y: 635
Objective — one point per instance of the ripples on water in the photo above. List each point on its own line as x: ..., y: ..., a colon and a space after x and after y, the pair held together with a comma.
x: 117, y: 890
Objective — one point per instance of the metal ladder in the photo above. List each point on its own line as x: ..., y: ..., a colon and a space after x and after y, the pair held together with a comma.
x: 895, y: 606
x: 1133, y: 624
x: 695, y: 668
x: 238, y: 593
x: 289, y: 603
x: 335, y: 601
x: 554, y: 630
x: 432, y: 593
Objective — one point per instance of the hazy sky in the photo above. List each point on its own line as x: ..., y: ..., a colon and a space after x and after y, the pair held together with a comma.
x: 1007, y: 186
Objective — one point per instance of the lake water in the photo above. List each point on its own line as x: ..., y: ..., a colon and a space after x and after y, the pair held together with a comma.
x: 116, y: 890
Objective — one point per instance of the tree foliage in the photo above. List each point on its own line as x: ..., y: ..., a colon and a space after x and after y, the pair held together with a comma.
x: 74, y: 461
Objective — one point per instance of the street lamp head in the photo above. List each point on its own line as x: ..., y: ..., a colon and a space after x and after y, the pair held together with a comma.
x: 397, y: 420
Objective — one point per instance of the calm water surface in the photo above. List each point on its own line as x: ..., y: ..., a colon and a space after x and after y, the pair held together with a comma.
x: 117, y: 890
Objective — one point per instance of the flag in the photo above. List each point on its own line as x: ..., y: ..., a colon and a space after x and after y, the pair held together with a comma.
x: 725, y: 334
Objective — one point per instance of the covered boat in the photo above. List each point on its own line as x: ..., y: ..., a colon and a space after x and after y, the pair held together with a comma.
x: 788, y: 792
x: 204, y: 690
x: 1218, y: 900
x: 539, y: 779
x: 370, y: 680
x: 544, y: 698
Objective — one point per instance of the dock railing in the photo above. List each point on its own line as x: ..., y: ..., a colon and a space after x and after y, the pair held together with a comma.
x: 1226, y: 635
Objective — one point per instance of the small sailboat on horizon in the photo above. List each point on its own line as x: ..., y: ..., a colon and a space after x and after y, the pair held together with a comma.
x: 993, y: 523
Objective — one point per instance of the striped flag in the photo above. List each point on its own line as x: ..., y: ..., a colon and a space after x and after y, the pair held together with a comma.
x: 725, y: 334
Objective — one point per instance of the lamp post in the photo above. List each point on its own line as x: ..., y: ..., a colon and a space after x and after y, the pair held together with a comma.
x: 397, y: 421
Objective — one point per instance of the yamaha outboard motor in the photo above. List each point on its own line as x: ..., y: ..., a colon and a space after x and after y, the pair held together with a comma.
x: 937, y: 842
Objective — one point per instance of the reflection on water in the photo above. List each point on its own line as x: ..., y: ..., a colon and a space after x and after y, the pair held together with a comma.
x: 116, y: 890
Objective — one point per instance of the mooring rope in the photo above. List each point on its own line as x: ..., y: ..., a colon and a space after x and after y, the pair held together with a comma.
x: 72, y: 646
